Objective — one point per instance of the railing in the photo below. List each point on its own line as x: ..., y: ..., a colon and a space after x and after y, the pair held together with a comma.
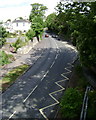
x: 85, y: 104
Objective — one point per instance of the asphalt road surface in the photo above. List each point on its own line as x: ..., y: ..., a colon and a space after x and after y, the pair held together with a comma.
x: 36, y: 94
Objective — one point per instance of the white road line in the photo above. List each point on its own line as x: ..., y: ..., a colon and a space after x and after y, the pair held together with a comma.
x: 65, y: 78
x: 70, y: 64
x: 56, y: 101
x: 62, y: 88
x: 30, y: 94
x: 56, y: 56
x: 54, y: 61
x: 69, y: 71
x: 74, y: 58
x: 41, y: 111
x: 60, y: 85
x: 42, y: 77
x: 45, y: 75
x: 11, y: 115
x: 52, y: 64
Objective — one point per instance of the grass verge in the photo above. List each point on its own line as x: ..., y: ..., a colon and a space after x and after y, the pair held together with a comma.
x: 5, y: 58
x: 11, y: 76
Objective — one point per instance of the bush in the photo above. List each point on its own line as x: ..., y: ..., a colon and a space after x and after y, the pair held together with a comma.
x: 91, y: 115
x: 74, y: 36
x: 81, y: 82
x: 11, y: 35
x: 17, y: 44
x: 2, y: 41
x: 4, y: 58
x: 71, y: 104
x: 30, y: 34
x: 3, y: 32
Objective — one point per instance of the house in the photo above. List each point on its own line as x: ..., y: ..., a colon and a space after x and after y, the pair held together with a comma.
x: 21, y: 25
x: 17, y: 25
x: 8, y: 26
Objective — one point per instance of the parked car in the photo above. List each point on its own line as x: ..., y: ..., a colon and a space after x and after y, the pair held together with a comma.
x: 54, y: 36
x: 58, y: 38
x: 46, y: 35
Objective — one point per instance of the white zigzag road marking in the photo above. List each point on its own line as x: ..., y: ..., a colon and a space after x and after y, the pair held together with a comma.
x: 69, y: 71
x: 66, y: 78
x: 57, y: 102
x: 70, y: 64
x: 62, y: 88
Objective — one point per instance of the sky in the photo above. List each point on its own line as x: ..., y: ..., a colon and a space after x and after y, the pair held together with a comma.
x: 11, y: 9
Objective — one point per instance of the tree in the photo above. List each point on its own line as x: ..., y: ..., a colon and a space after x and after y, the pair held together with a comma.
x: 30, y: 34
x: 37, y: 10
x: 36, y: 18
x: 21, y: 18
x: 50, y: 21
x: 3, y: 34
x: 8, y: 20
x: 77, y: 21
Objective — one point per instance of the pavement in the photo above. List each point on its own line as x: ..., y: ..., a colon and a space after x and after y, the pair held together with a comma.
x: 37, y: 93
x: 19, y: 58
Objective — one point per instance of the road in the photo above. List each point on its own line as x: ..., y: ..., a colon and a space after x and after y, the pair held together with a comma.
x: 12, y: 40
x: 36, y: 94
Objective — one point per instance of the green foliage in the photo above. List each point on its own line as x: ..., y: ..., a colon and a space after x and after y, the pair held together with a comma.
x: 50, y: 21
x: 37, y: 10
x: 3, y: 34
x: 71, y: 104
x: 82, y: 83
x: 5, y: 58
x: 74, y: 36
x: 2, y: 41
x: 91, y: 115
x: 37, y: 25
x: 1, y: 23
x: 11, y: 35
x: 36, y: 17
x: 8, y: 20
x: 77, y: 21
x: 30, y: 34
x: 12, y: 75
x: 20, y: 18
x: 17, y: 44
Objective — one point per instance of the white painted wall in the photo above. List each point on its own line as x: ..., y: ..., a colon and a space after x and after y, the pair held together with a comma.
x: 22, y: 26
x: 14, y: 26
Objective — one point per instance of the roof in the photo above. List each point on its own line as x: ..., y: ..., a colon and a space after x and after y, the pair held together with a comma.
x: 22, y: 20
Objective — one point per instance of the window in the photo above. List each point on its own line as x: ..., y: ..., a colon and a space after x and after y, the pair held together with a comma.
x: 17, y: 24
x: 23, y: 24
